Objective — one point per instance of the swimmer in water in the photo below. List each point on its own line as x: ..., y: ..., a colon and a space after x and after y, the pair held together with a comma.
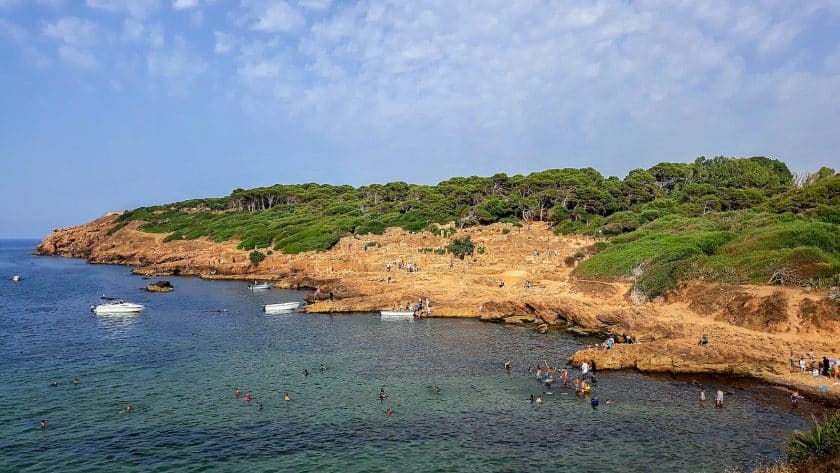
x: 702, y: 395
x: 54, y: 384
x: 594, y: 402
x: 248, y: 396
x: 436, y: 389
x: 42, y: 424
x: 261, y: 406
x: 128, y: 409
x: 794, y: 399
x: 236, y: 392
x: 76, y: 381
x: 389, y: 412
x: 382, y: 394
x: 538, y: 401
x: 305, y: 372
x: 286, y: 397
x: 507, y: 365
x: 565, y: 376
x: 609, y: 401
x: 322, y: 368
x: 531, y: 399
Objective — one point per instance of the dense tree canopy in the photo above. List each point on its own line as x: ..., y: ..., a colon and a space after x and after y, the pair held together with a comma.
x: 720, y: 218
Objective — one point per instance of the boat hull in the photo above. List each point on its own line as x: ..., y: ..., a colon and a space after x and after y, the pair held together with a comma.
x: 118, y: 309
x: 396, y: 315
x: 280, y: 308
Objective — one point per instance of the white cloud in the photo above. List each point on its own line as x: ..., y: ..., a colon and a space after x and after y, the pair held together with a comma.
x: 136, y: 31
x: 73, y: 31
x: 136, y: 8
x: 224, y: 42
x: 184, y: 4
x: 274, y: 16
x: 316, y: 5
x: 176, y: 68
x: 505, y: 71
x: 77, y: 57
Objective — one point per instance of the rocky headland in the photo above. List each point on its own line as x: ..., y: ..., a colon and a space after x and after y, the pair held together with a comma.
x: 759, y: 331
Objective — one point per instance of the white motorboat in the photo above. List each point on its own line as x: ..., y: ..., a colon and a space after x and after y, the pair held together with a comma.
x: 16, y: 278
x: 256, y: 286
x: 396, y: 315
x: 281, y: 307
x: 116, y: 306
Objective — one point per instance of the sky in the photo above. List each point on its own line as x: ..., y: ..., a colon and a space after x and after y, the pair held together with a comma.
x: 113, y: 104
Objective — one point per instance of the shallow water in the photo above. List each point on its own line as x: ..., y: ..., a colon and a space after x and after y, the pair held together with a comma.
x: 178, y: 362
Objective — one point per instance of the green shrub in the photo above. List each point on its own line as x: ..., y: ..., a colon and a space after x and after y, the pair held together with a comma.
x: 256, y: 257
x: 820, y: 443
x: 658, y: 279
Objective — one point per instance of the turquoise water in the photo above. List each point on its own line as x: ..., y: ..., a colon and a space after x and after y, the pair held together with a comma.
x: 179, y: 361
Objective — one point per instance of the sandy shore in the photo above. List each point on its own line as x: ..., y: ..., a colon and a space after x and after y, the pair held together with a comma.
x: 754, y: 330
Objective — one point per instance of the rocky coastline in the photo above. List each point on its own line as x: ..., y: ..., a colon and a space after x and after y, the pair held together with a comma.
x: 759, y: 331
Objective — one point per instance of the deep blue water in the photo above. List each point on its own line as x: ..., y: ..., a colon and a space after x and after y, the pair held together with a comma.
x: 178, y: 362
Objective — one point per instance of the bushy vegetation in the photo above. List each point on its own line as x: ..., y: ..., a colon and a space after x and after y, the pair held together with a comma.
x: 461, y: 247
x: 256, y: 257
x: 790, y: 238
x: 821, y: 443
x: 721, y: 218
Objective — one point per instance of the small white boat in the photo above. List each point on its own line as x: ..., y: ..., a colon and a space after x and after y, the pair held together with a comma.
x: 16, y: 278
x: 396, y: 315
x: 281, y: 307
x: 256, y: 286
x: 116, y: 306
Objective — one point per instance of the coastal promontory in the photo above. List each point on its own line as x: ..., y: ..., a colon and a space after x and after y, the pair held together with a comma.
x: 737, y: 251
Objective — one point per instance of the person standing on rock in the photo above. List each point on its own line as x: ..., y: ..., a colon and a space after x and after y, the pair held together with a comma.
x: 826, y: 371
x: 802, y: 366
x: 584, y: 368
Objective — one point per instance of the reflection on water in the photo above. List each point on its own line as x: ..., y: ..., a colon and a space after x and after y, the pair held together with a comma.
x: 178, y: 362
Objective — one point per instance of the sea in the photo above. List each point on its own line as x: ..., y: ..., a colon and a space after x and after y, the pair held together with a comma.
x: 178, y: 362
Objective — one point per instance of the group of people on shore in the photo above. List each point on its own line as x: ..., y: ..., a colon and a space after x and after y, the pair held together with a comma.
x: 826, y: 367
x: 421, y: 307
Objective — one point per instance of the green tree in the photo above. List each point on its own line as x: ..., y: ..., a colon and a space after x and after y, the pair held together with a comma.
x: 461, y: 247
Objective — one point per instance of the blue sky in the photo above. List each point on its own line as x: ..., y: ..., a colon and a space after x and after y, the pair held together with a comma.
x: 113, y: 104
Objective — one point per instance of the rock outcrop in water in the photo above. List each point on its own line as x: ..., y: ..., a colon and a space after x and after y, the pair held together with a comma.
x: 160, y: 286
x: 754, y: 330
